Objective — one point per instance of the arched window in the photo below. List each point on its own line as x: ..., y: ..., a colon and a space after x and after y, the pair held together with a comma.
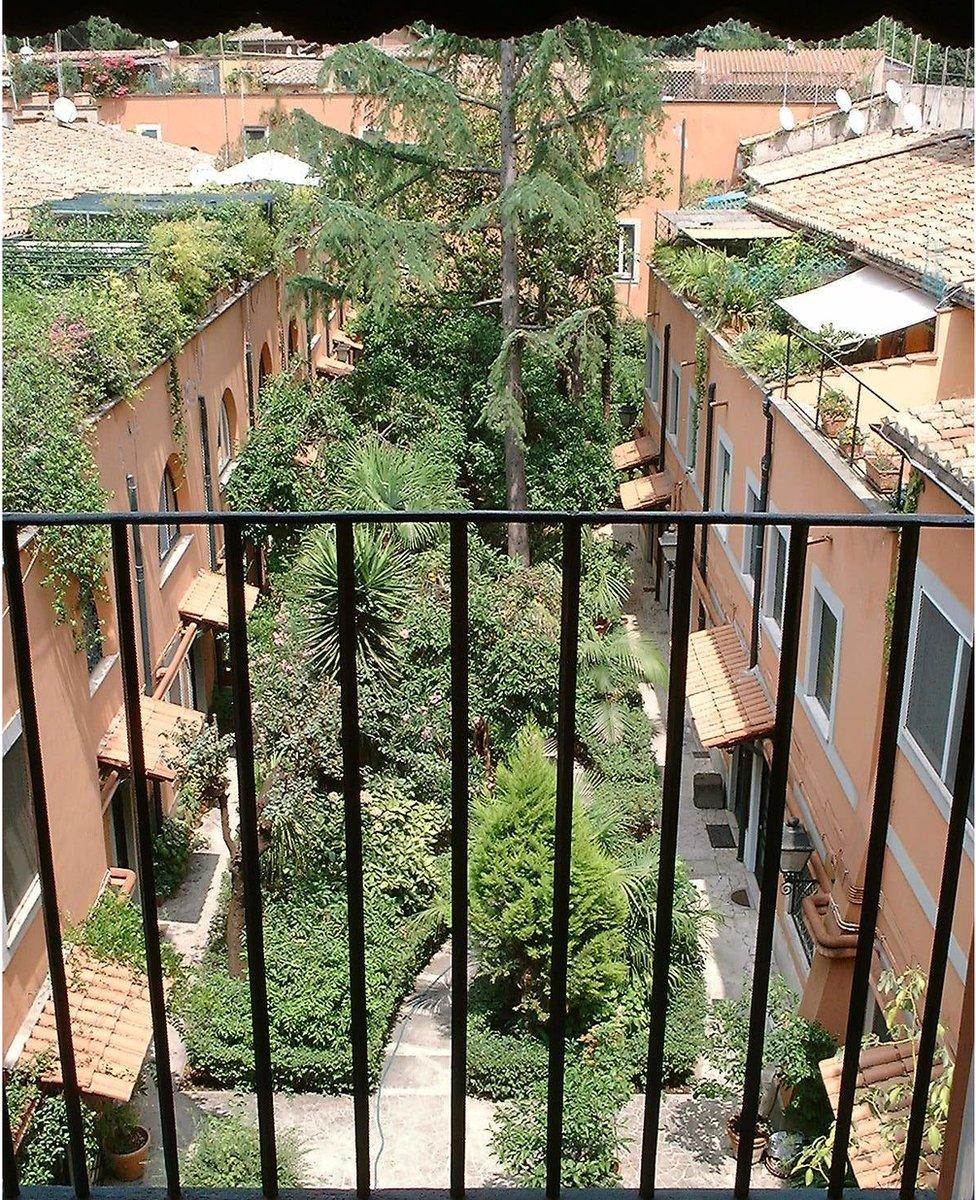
x: 264, y: 366
x: 225, y: 438
x: 169, y: 532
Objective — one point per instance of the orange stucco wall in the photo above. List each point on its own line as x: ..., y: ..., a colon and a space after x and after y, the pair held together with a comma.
x: 134, y: 437
x: 833, y: 770
x: 713, y: 130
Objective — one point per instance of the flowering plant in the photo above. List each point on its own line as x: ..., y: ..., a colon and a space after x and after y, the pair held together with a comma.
x: 111, y: 76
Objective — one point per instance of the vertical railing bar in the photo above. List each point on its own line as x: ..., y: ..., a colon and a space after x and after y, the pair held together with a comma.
x: 562, y: 849
x: 875, y: 855
x: 247, y: 804
x: 670, y: 802
x: 132, y: 696
x: 459, y: 849
x: 857, y: 417
x: 353, y: 821
x: 20, y: 641
x: 772, y: 846
x: 955, y: 843
x: 11, y: 1186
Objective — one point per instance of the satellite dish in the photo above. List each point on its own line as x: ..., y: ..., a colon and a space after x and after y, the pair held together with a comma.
x: 843, y: 99
x: 913, y: 116
x: 857, y: 121
x: 893, y: 91
x: 64, y: 110
x: 786, y: 119
x: 26, y: 51
x: 174, y: 46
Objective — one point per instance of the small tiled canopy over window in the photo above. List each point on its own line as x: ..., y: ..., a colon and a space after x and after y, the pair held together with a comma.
x: 161, y: 726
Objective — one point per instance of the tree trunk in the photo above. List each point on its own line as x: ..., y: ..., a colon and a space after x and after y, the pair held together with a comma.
x: 518, y: 535
x: 606, y: 372
x: 234, y: 928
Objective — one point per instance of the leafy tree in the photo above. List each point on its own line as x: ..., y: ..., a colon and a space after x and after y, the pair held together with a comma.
x: 479, y: 158
x: 511, y: 894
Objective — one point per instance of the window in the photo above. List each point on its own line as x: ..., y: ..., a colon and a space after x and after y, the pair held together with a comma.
x: 723, y: 484
x: 823, y: 653
x: 692, y: 450
x: 19, y: 845
x: 625, y: 153
x: 749, y: 532
x: 181, y: 689
x: 167, y: 503
x: 627, y: 251
x: 91, y: 630
x: 940, y: 660
x: 653, y: 368
x: 225, y: 443
x: 255, y: 134
x: 154, y: 132
x: 674, y: 401
x: 775, y: 590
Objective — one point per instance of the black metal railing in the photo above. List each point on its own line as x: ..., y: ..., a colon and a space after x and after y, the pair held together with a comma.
x: 571, y: 525
x: 850, y: 438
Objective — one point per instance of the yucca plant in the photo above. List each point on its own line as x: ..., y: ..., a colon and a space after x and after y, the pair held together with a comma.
x: 382, y: 477
x: 382, y: 589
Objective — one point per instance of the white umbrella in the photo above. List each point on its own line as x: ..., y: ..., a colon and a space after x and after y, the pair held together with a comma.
x: 270, y: 166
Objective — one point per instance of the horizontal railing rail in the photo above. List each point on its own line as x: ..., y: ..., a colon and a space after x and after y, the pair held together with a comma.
x: 909, y: 526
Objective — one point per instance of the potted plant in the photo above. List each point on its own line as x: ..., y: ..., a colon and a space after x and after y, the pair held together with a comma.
x: 761, y: 1140
x: 835, y: 411
x: 125, y: 1143
x: 881, y: 467
x: 628, y: 414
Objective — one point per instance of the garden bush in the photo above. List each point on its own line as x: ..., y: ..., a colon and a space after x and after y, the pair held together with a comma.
x: 42, y: 1157
x: 505, y: 1058
x: 113, y: 931
x: 226, y: 1153
x: 511, y: 895
x: 172, y: 847
x: 684, y: 1030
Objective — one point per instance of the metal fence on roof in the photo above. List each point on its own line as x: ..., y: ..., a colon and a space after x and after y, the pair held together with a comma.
x: 56, y: 263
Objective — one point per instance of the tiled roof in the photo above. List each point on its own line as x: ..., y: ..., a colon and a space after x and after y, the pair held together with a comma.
x: 726, y: 699
x: 43, y: 161
x: 905, y: 201
x: 939, y: 438
x: 161, y: 722
x: 302, y: 72
x: 649, y: 491
x: 771, y: 63
x: 870, y: 1155
x: 111, y: 1027
x: 206, y: 600
x: 633, y: 454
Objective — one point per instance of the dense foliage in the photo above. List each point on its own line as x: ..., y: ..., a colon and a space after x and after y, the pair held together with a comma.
x: 226, y: 1153
x: 42, y: 1156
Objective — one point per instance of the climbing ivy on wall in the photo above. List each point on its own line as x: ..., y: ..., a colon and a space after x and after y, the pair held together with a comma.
x: 702, y: 340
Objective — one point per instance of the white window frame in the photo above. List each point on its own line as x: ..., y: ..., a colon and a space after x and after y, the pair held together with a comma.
x: 771, y: 619
x: 225, y: 443
x: 955, y: 614
x: 721, y: 503
x: 153, y: 132
x: 692, y: 434
x: 16, y: 924
x: 674, y: 404
x: 170, y: 531
x: 248, y: 133
x: 622, y: 275
x: 822, y: 591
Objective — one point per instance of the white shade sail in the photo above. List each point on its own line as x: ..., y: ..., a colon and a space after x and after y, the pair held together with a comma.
x: 866, y: 303
x: 270, y: 166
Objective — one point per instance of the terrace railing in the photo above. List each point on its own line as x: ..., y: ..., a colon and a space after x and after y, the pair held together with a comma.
x: 459, y: 525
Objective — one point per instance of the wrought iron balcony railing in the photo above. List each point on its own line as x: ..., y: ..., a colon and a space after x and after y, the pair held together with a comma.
x: 458, y: 523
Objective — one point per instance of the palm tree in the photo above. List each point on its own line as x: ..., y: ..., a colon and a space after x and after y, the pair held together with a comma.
x: 613, y: 663
x: 382, y: 477
x: 382, y: 589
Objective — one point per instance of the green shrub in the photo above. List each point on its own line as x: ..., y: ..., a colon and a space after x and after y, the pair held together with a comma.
x: 511, y: 894
x: 113, y: 931
x: 226, y: 1153
x: 42, y: 1157
x: 505, y: 1059
x: 172, y: 847
x: 684, y: 1030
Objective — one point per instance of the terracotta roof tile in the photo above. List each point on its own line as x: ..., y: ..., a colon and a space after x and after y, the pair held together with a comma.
x: 726, y: 699
x: 871, y: 1157
x: 111, y: 1027
x: 206, y: 600
x: 939, y: 438
x: 768, y: 65
x: 633, y: 454
x: 650, y: 491
x: 43, y: 161
x: 904, y: 200
x: 161, y: 722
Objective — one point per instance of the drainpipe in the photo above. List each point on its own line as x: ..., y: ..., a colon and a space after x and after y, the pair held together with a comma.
x: 759, y: 540
x: 249, y: 373
x: 707, y: 478
x: 140, y: 574
x: 207, y: 478
x: 665, y: 367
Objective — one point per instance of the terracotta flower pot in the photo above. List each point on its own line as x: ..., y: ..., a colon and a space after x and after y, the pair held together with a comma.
x: 758, y: 1146
x: 130, y: 1165
x: 884, y: 479
x: 833, y: 426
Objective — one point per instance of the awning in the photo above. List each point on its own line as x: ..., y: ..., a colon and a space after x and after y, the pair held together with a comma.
x: 206, y: 600
x: 341, y: 338
x: 161, y: 724
x: 708, y: 224
x: 870, y: 1154
x: 866, y: 303
x: 633, y: 454
x: 650, y: 491
x: 333, y: 366
x: 726, y: 699
x: 111, y: 1027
